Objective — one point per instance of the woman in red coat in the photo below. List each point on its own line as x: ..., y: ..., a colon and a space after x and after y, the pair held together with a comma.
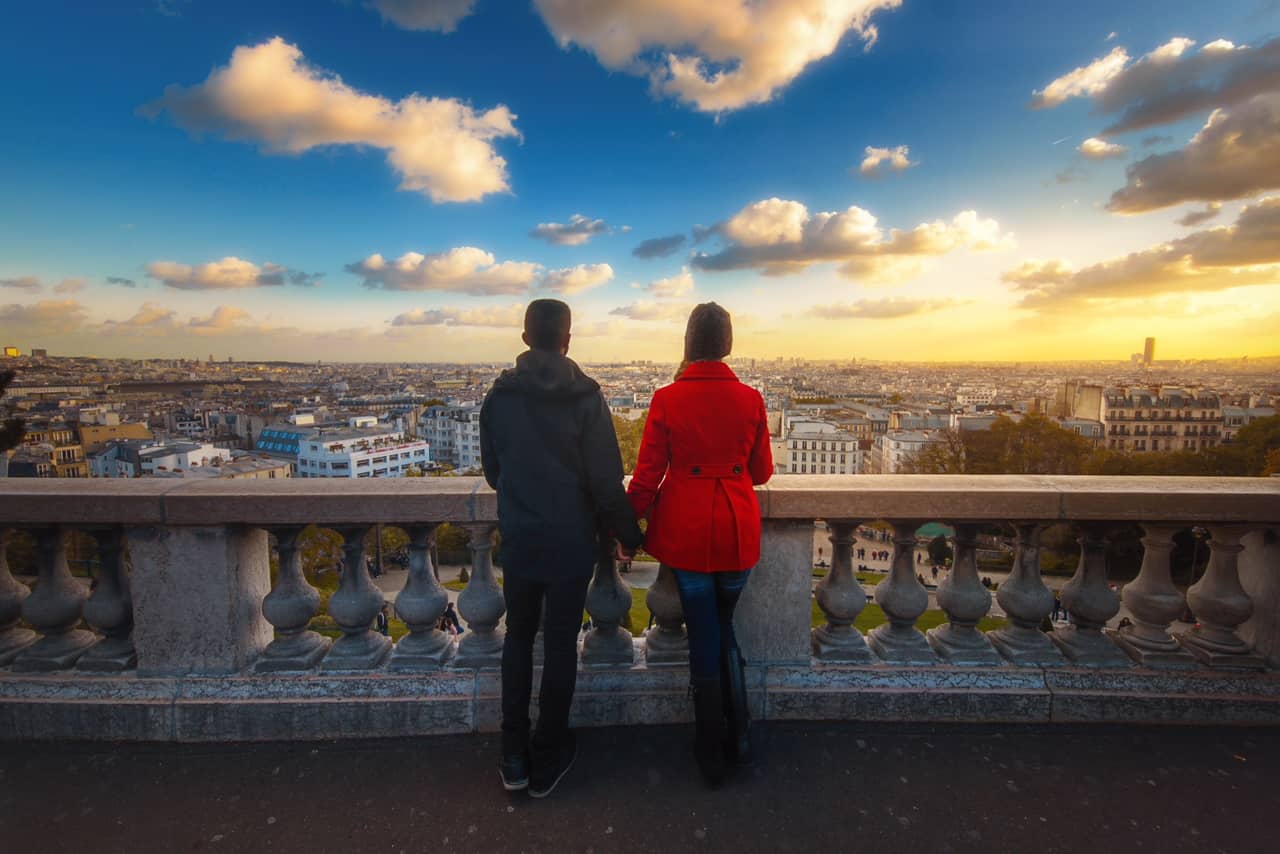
x: 706, y: 444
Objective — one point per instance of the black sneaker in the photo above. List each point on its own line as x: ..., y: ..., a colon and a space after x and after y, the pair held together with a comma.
x: 549, y: 767
x: 515, y: 771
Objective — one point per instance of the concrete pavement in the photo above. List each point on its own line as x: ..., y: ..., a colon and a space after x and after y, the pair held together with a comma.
x: 820, y: 786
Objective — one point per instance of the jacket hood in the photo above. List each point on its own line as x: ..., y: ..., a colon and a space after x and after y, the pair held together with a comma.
x: 546, y: 374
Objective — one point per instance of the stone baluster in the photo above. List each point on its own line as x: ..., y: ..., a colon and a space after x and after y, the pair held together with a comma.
x: 903, y: 599
x: 1154, y: 603
x: 965, y: 601
x: 608, y: 603
x: 1220, y: 605
x: 665, y: 642
x: 289, y: 607
x: 110, y: 608
x: 353, y: 607
x: 1090, y: 603
x: 841, y: 598
x: 13, y: 639
x: 1027, y: 601
x: 481, y: 604
x: 54, y: 608
x: 421, y: 604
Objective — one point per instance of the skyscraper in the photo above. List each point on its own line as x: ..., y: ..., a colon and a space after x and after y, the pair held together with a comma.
x: 1149, y: 352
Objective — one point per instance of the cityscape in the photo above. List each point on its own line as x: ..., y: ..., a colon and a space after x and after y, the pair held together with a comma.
x: 222, y: 418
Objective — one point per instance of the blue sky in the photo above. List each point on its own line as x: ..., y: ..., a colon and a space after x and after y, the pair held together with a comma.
x: 97, y: 189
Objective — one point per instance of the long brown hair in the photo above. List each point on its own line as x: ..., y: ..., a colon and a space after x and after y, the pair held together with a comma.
x: 708, y: 335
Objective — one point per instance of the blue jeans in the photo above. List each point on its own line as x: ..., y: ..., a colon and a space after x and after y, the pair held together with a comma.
x: 708, y: 600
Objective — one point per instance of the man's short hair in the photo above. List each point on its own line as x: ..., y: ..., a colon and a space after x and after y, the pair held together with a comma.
x: 546, y: 323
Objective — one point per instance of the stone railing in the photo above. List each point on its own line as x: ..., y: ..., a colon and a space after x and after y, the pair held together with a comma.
x: 188, y: 640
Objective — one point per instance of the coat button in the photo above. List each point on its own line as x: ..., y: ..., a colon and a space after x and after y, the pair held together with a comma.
x: 697, y: 469
x: 737, y: 469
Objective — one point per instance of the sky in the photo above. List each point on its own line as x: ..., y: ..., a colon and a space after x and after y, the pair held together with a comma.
x: 393, y: 180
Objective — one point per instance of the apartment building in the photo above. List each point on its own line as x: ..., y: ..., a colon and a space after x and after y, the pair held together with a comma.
x: 892, y: 450
x: 820, y: 447
x: 361, y: 452
x: 454, y: 435
x: 1162, y: 419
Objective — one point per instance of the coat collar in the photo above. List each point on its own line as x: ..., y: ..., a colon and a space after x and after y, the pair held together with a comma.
x: 716, y: 370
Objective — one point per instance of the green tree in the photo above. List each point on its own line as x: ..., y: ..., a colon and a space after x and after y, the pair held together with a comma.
x: 939, y: 550
x: 1033, y: 445
x: 630, y: 433
x: 11, y: 428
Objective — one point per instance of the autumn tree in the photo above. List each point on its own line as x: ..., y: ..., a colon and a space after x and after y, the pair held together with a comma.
x: 1033, y: 445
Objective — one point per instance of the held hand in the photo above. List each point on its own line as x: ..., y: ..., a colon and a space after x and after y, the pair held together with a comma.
x: 621, y: 552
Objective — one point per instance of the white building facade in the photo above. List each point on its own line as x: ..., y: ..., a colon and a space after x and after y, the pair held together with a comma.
x: 361, y: 453
x: 892, y: 450
x: 454, y: 435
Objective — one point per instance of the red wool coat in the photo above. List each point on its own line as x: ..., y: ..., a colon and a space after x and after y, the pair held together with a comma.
x: 705, y: 445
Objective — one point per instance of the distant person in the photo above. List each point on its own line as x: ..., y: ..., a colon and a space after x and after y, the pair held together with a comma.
x: 449, y: 620
x: 705, y: 445
x: 547, y: 445
x: 382, y: 623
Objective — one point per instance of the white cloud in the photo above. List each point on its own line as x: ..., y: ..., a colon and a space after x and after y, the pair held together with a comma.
x: 575, y: 280
x: 150, y: 318
x: 649, y: 310
x: 269, y: 94
x: 223, y: 319
x: 879, y: 309
x: 897, y: 159
x: 715, y: 56
x: 46, y: 317
x: 464, y: 269
x: 1100, y: 149
x: 779, y: 237
x: 577, y: 231
x: 22, y: 283
x: 226, y: 274
x: 511, y: 316
x: 1245, y: 253
x: 1234, y: 156
x: 441, y: 16
x: 673, y: 286
x: 1170, y: 83
x: 1086, y: 80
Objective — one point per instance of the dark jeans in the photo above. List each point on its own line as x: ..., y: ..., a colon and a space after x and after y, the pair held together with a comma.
x: 708, y: 600
x: 565, y: 601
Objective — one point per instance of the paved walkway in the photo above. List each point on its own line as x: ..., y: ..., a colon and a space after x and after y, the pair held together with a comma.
x: 832, y: 787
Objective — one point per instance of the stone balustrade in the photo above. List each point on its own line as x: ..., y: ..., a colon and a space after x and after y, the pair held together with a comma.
x: 185, y: 637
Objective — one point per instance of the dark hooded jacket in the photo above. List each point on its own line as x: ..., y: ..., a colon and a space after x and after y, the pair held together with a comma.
x: 548, y: 447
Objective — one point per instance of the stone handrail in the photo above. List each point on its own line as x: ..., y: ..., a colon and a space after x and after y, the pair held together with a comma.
x: 188, y: 639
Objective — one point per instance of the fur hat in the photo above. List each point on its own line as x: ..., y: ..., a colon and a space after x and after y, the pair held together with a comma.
x: 709, y: 334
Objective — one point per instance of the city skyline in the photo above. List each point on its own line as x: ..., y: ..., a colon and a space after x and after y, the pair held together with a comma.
x: 875, y: 179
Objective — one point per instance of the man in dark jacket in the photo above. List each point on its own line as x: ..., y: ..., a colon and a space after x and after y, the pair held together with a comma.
x: 548, y: 447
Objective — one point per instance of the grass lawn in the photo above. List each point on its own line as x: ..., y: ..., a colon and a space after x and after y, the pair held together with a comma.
x: 870, y: 578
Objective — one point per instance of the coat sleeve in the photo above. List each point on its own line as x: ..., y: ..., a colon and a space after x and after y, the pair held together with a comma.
x: 488, y: 451
x: 761, y: 463
x: 603, y: 463
x: 651, y: 466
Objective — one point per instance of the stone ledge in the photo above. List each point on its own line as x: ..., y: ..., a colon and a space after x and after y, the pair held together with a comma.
x: 293, y: 501
x: 312, y: 707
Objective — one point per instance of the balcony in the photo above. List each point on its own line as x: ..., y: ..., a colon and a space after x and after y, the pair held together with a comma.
x: 189, y: 641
